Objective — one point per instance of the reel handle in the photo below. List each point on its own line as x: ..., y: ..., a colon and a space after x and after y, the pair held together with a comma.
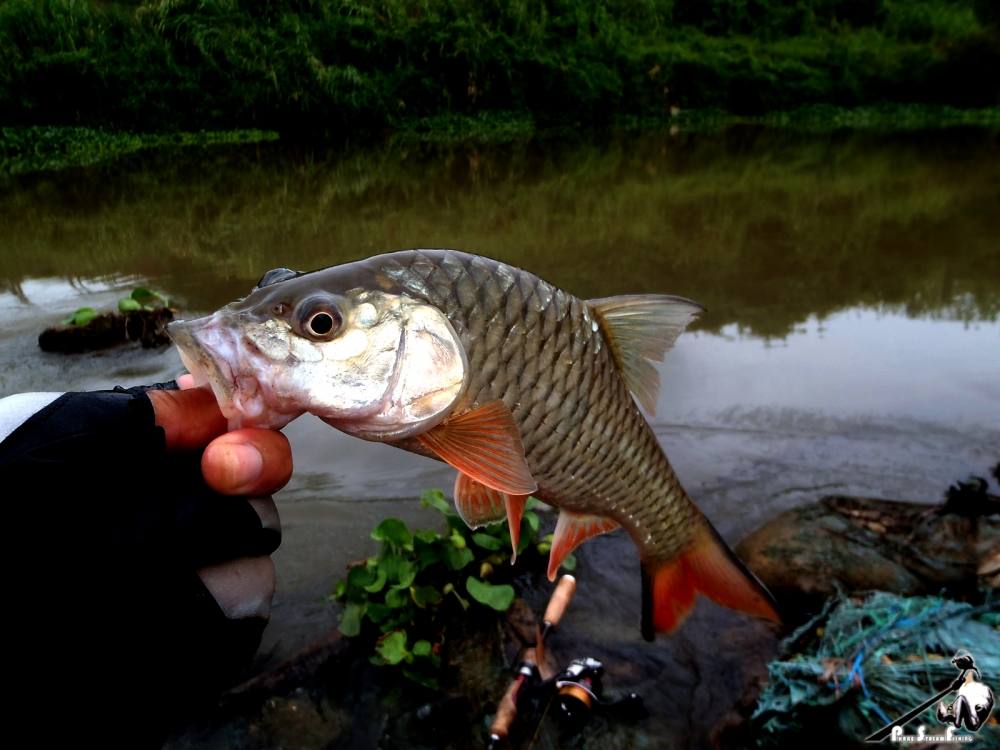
x: 560, y: 601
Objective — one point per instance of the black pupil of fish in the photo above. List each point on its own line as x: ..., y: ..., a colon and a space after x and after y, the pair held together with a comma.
x: 321, y: 323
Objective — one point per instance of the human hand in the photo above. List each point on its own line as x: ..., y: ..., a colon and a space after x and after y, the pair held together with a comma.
x: 137, y: 557
x: 248, y: 462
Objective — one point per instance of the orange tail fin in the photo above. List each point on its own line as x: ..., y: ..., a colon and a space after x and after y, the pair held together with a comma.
x: 707, y: 567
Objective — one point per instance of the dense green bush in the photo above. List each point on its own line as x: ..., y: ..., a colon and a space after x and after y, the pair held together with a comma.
x: 360, y: 67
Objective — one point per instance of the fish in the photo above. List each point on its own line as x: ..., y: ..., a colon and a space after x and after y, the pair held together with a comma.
x: 522, y: 387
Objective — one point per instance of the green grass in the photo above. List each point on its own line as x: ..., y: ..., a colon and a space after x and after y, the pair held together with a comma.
x: 36, y: 149
x: 354, y: 70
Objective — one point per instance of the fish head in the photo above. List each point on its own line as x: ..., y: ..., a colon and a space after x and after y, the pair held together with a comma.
x: 371, y: 361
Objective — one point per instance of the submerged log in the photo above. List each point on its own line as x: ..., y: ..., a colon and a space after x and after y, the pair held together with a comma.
x: 148, y: 327
x: 857, y: 544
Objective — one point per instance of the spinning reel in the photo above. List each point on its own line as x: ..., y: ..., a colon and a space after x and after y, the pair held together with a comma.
x: 577, y: 691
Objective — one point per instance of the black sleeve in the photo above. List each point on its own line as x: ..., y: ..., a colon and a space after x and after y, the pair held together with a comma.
x: 104, y: 531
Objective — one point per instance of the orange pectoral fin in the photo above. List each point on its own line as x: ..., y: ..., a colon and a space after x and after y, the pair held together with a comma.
x: 572, y: 530
x: 486, y: 445
x: 707, y: 567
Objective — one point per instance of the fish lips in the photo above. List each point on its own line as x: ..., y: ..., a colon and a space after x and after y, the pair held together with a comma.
x: 201, y: 343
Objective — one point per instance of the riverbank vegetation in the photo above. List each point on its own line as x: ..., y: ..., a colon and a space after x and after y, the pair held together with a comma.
x: 355, y: 70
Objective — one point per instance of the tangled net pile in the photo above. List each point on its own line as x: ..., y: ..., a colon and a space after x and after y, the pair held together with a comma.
x: 860, y: 664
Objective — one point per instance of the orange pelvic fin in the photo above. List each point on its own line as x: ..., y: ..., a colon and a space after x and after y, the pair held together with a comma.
x: 572, y: 530
x: 515, y: 509
x: 707, y: 567
x: 486, y: 445
x: 479, y: 505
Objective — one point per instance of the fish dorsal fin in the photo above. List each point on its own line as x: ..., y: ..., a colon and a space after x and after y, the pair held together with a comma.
x: 640, y: 329
x: 572, y: 530
x: 479, y: 505
x: 484, y: 444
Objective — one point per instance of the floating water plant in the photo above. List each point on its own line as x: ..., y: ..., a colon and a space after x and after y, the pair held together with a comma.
x: 405, y: 598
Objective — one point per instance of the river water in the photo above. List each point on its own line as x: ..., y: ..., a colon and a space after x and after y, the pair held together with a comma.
x: 851, y: 344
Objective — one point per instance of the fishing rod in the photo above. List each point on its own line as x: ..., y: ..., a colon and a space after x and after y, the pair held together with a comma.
x: 577, y: 690
x: 964, y: 662
x: 529, y: 671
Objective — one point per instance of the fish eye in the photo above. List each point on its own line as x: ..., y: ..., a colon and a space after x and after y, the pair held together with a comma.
x: 317, y: 318
x: 275, y: 275
x: 321, y: 324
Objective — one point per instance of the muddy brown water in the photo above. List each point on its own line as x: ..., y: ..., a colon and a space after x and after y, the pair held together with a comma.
x: 852, y: 343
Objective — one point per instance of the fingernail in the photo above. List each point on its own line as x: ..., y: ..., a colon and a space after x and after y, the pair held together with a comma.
x: 242, y: 465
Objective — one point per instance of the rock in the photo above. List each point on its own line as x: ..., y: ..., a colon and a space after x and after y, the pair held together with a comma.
x: 148, y: 327
x: 857, y: 544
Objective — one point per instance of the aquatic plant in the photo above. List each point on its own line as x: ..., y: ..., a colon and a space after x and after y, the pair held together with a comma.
x: 403, y: 599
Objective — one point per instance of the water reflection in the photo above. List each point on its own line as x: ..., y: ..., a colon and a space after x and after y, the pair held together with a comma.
x: 764, y: 228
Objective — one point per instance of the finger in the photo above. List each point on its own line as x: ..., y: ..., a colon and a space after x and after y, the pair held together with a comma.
x: 247, y: 462
x: 190, y: 418
x: 185, y: 381
x: 242, y: 588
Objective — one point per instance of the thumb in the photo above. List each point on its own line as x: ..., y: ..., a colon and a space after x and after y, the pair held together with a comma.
x: 190, y: 418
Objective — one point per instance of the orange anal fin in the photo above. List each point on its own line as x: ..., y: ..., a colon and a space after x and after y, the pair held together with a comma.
x: 477, y: 504
x: 706, y: 567
x: 484, y: 444
x: 515, y: 509
x: 572, y: 530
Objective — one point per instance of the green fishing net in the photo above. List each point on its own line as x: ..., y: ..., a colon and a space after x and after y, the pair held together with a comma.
x: 860, y: 664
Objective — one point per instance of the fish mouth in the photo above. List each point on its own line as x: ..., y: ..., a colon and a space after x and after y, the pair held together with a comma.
x: 211, y: 350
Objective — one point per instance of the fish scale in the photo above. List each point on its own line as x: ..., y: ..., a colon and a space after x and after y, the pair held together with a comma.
x: 518, y: 384
x: 585, y: 440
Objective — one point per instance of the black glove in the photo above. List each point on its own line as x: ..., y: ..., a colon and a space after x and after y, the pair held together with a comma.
x: 116, y: 636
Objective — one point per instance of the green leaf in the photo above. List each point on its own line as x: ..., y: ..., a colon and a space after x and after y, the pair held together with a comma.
x: 147, y: 298
x: 422, y: 648
x: 457, y: 540
x: 393, y: 531
x: 397, y: 569
x: 534, y: 504
x: 376, y: 585
x: 428, y: 681
x: 359, y: 577
x: 80, y: 317
x: 455, y: 558
x: 435, y: 499
x: 340, y: 589
x: 533, y: 521
x: 424, y: 595
x: 397, y: 597
x: 427, y: 553
x: 498, y: 597
x: 377, y: 612
x: 392, y: 648
x: 569, y: 563
x: 487, y: 541
x: 350, y: 621
x: 128, y: 304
